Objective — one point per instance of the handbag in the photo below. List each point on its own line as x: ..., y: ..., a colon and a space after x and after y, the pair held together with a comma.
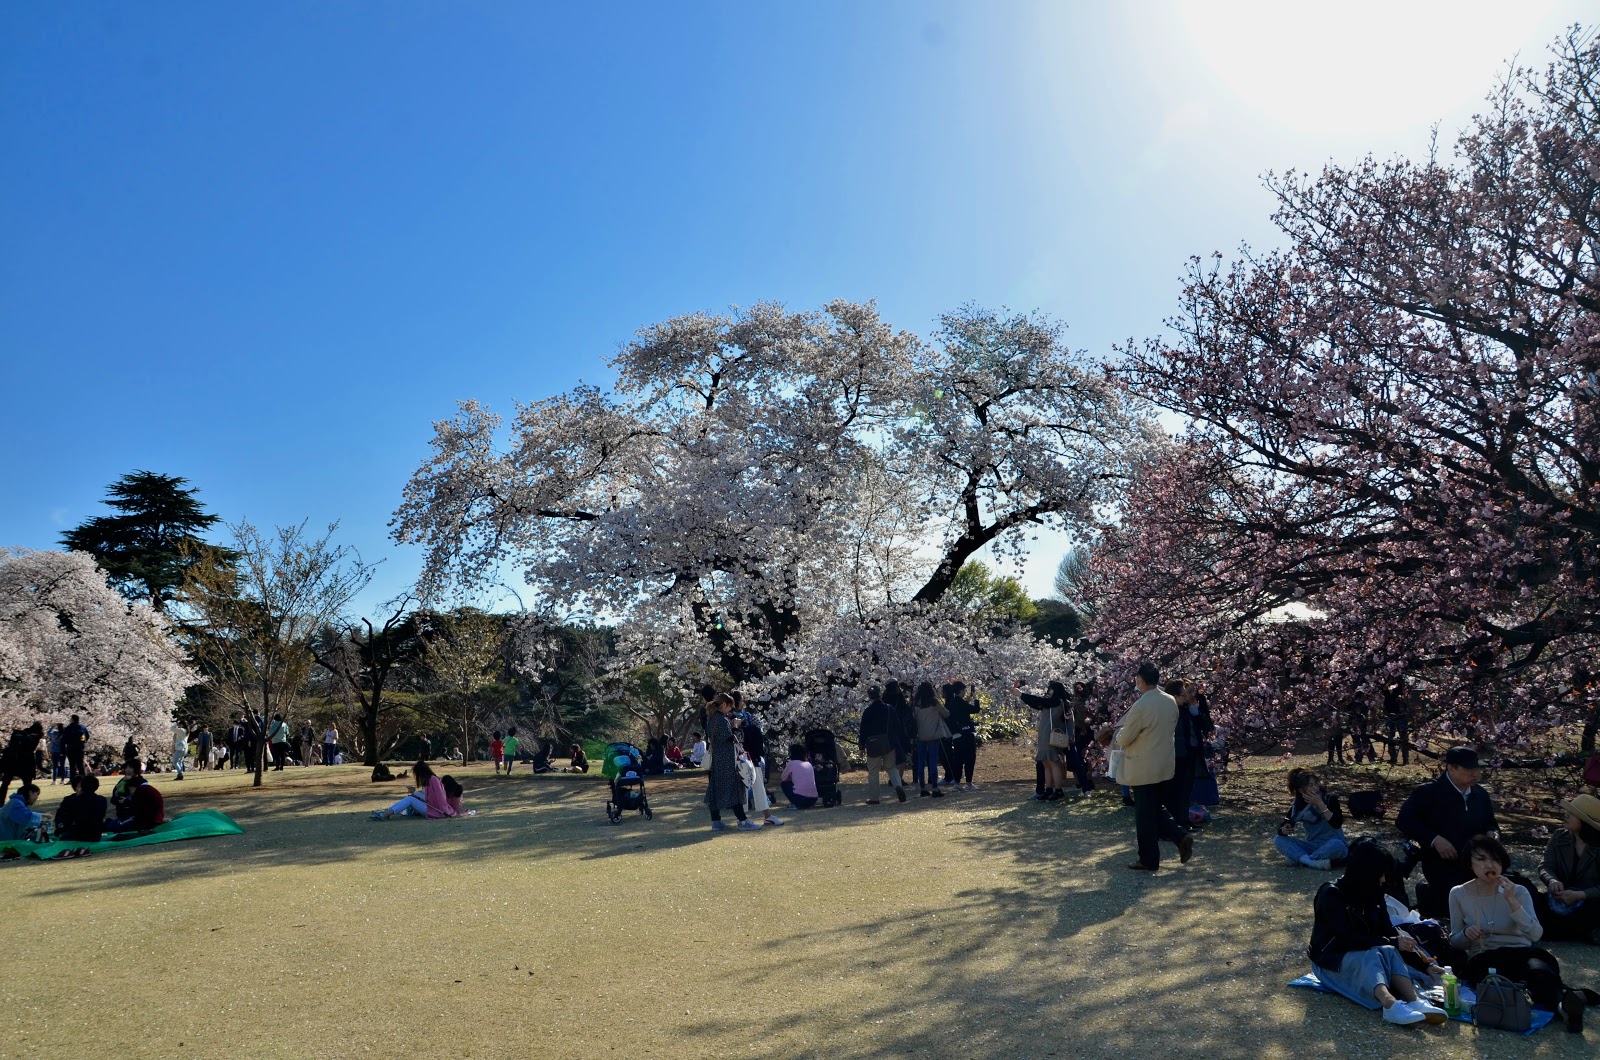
x: 1060, y: 733
x: 878, y: 746
x: 1502, y: 1004
x: 1113, y: 763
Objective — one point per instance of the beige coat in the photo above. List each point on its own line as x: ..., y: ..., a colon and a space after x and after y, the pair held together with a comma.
x: 1146, y: 739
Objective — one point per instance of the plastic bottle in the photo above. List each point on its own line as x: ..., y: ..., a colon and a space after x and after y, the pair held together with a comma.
x: 1452, y: 994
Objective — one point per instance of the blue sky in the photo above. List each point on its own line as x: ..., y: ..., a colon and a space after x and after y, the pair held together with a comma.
x: 264, y: 246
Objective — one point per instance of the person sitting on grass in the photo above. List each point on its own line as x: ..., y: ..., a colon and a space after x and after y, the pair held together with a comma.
x: 145, y: 806
x: 1324, y: 821
x: 17, y: 819
x: 1570, y: 908
x: 81, y: 818
x: 580, y: 761
x: 675, y: 756
x: 1358, y: 951
x: 799, y: 779
x: 697, y: 753
x: 453, y: 791
x: 541, y: 757
x: 122, y: 791
x: 427, y: 798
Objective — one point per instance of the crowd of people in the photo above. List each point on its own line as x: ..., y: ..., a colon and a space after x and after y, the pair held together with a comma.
x: 1474, y: 915
x: 85, y: 816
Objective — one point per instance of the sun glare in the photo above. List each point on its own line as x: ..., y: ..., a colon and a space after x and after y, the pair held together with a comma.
x: 1363, y: 66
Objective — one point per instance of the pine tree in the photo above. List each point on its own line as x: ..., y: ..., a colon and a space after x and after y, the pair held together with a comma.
x: 146, y: 548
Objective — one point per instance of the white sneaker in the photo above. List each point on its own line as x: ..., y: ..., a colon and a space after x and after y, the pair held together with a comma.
x: 1430, y: 1012
x: 972, y: 787
x: 1402, y: 1014
x: 1316, y: 863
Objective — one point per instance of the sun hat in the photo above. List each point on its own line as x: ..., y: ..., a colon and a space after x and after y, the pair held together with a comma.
x: 1584, y: 807
x: 1465, y: 757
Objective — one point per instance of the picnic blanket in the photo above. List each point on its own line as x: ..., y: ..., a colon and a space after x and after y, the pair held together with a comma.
x: 194, y: 825
x: 1468, y: 1000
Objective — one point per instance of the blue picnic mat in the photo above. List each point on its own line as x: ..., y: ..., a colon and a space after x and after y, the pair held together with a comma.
x: 1540, y: 1016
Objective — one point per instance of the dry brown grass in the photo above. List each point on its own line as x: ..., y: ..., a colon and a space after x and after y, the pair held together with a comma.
x: 976, y: 925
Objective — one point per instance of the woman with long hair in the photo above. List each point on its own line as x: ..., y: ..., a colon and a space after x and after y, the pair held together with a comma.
x: 427, y: 798
x: 725, y: 790
x: 1357, y: 949
x: 930, y: 717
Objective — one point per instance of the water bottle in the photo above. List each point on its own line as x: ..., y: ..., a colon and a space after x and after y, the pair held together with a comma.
x: 1452, y: 994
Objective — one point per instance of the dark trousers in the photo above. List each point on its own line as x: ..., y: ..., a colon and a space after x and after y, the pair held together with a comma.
x: 800, y: 802
x: 1574, y: 926
x: 329, y: 750
x: 75, y: 765
x: 1398, y: 731
x: 1521, y: 964
x: 963, y: 758
x: 1440, y: 876
x: 280, y: 755
x: 1078, y: 762
x: 1152, y: 823
x: 1180, y: 790
x: 58, y: 766
x: 1038, y: 778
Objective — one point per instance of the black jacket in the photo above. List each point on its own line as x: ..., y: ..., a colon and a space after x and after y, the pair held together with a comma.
x: 877, y: 720
x: 1343, y: 925
x: 81, y: 818
x: 1437, y: 809
x: 963, y: 712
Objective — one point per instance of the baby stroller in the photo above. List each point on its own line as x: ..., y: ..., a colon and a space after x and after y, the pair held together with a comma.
x: 823, y: 750
x: 620, y: 757
x: 627, y: 795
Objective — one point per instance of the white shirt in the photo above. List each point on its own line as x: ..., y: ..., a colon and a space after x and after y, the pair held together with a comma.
x: 698, y: 753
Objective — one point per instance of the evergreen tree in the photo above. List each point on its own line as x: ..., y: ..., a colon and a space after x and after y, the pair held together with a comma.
x: 148, y: 545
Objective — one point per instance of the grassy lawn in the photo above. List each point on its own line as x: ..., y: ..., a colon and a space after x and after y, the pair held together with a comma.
x: 974, y: 925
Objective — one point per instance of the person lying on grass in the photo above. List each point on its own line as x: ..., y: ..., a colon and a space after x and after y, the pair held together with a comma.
x: 426, y: 799
x: 1358, y: 952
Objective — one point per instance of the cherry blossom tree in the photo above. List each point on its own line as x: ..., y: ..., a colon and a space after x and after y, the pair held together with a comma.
x: 70, y: 644
x: 1391, y: 466
x: 757, y: 479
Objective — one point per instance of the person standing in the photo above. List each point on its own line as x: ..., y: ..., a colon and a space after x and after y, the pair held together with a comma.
x: 278, y: 738
x: 308, y: 740
x: 180, y: 747
x: 1361, y: 732
x: 1442, y: 816
x: 1397, y: 722
x: 330, y: 743
x: 511, y: 745
x: 1051, y: 716
x: 724, y: 789
x: 202, y: 747
x: 130, y: 754
x: 932, y: 730
x: 1147, y: 736
x: 1189, y: 739
x: 75, y: 741
x: 962, y: 720
x: 903, y: 719
x: 879, y: 738
x: 58, y: 753
x: 20, y: 760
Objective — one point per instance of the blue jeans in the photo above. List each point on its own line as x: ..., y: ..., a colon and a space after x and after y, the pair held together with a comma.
x: 925, y: 763
x: 799, y: 802
x: 1295, y: 849
x: 1361, y: 971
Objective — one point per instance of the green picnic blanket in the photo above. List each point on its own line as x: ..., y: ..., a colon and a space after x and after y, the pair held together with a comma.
x: 194, y: 825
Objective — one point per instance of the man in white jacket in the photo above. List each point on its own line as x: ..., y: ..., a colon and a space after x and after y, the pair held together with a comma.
x: 1148, y: 759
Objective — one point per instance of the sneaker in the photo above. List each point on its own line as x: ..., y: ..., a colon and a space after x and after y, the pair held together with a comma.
x: 923, y: 793
x: 773, y: 820
x: 1037, y: 796
x: 900, y: 793
x: 748, y: 825
x: 1316, y: 863
x: 380, y: 815
x: 1402, y: 1015
x: 719, y: 826
x: 1430, y: 1012
x: 970, y: 786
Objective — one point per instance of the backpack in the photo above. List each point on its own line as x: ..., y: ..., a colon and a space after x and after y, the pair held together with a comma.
x: 1502, y: 1004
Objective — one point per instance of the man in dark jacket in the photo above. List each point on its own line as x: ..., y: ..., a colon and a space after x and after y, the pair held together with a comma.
x: 75, y: 742
x: 883, y: 745
x: 1442, y: 816
x: 19, y: 761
